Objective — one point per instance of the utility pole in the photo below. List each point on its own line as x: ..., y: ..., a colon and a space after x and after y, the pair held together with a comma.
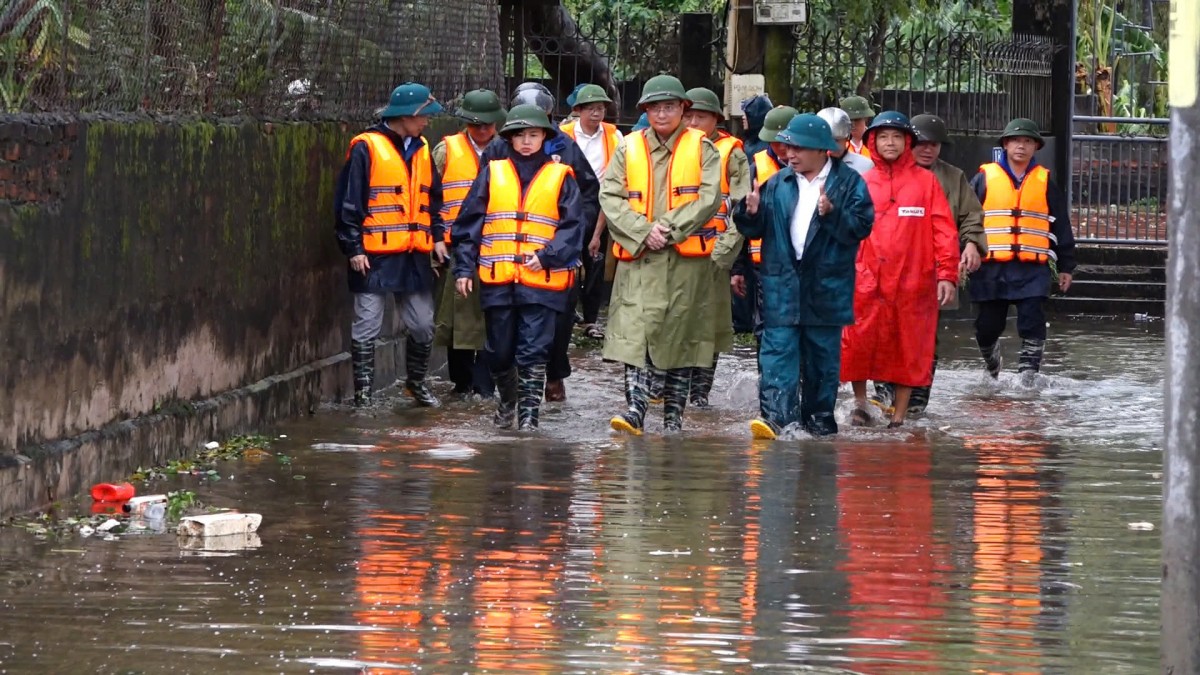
x: 777, y: 63
x: 1181, y: 471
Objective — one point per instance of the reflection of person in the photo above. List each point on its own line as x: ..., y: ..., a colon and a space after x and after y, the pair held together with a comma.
x: 1028, y: 227
x: 905, y: 270
x: 706, y: 114
x: 459, y: 321
x: 389, y: 198
x: 659, y: 194
x: 968, y: 215
x: 811, y: 217
x: 519, y: 234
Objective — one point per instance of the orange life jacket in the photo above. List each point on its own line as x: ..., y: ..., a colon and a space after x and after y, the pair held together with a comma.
x: 398, y: 218
x: 765, y: 166
x: 462, y: 165
x: 720, y: 222
x: 683, y: 184
x: 610, y: 137
x: 864, y: 150
x: 520, y: 223
x: 1017, y: 221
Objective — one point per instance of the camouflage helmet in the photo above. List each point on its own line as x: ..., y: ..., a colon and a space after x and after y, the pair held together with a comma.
x: 857, y: 107
x: 776, y: 121
x: 527, y: 116
x: 705, y: 100
x: 930, y: 129
x: 838, y: 121
x: 1023, y: 128
x: 663, y: 88
x: 481, y: 106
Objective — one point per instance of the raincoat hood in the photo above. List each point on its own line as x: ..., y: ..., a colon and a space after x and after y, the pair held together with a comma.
x: 905, y: 159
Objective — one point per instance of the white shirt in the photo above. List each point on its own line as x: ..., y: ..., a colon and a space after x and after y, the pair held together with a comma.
x: 593, y: 147
x: 806, y: 206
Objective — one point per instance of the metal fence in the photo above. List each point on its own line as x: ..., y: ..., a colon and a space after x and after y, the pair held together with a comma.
x: 976, y: 82
x: 1119, y: 181
x: 273, y: 58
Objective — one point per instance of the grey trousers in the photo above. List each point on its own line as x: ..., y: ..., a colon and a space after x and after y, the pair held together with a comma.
x: 416, y: 310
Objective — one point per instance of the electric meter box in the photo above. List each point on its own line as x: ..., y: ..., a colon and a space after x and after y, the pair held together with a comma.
x: 780, y: 12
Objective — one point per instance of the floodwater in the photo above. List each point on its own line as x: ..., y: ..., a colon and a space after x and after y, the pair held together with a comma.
x: 992, y: 537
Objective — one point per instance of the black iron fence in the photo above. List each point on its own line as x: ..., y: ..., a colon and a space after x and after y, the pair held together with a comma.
x: 1119, y: 181
x: 976, y: 82
x: 274, y: 58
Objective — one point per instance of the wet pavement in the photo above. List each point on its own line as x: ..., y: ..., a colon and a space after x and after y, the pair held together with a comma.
x: 993, y: 536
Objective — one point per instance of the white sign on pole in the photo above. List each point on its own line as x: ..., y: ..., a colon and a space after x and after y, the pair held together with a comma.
x: 743, y: 87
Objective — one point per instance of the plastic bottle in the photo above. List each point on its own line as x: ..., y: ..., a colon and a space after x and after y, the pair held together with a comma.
x: 112, y: 492
x: 155, y: 511
x: 138, y: 505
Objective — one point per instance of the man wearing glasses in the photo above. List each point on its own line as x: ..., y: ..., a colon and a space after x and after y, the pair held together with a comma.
x: 659, y: 195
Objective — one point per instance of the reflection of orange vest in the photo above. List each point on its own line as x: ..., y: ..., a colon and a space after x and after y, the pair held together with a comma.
x: 683, y: 183
x: 610, y: 137
x: 517, y: 225
x: 1017, y: 220
x: 462, y: 165
x: 398, y: 218
x: 765, y: 166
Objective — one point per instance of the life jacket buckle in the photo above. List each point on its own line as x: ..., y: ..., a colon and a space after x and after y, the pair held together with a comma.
x: 1016, y: 213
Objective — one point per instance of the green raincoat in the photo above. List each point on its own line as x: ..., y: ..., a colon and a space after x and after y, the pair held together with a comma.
x: 727, y: 249
x: 662, y: 303
x: 458, y: 322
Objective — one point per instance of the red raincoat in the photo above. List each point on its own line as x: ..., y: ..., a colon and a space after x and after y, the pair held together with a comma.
x: 913, y: 245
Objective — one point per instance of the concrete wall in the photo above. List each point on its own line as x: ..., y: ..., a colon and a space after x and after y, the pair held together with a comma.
x: 161, y: 281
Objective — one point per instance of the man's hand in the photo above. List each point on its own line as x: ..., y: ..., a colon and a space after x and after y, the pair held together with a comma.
x: 752, y: 199
x: 463, y: 286
x: 824, y: 206
x: 970, y: 260
x: 659, y: 237
x: 946, y: 293
x: 738, y: 283
x: 1064, y: 281
x: 534, y: 264
x: 360, y: 264
x: 594, y: 246
x: 440, y: 252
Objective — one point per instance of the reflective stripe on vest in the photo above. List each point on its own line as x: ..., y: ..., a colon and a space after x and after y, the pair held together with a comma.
x: 610, y: 137
x: 765, y: 166
x: 703, y: 240
x: 462, y: 165
x: 398, y: 219
x: 683, y: 180
x: 1017, y: 221
x: 518, y: 224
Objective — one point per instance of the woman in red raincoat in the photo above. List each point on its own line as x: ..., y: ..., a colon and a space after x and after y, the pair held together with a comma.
x: 905, y: 270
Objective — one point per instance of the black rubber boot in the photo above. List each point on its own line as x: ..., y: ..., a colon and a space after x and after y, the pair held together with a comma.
x: 676, y: 384
x: 416, y: 365
x: 1031, y: 358
x: 362, y: 360
x: 506, y: 398
x: 702, y: 384
x: 992, y: 359
x: 531, y: 381
x: 821, y: 424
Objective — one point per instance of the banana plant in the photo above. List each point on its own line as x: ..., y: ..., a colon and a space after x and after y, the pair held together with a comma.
x: 29, y: 30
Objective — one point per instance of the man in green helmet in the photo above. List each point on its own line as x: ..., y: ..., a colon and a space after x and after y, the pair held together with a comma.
x: 706, y: 114
x: 659, y: 194
x: 459, y: 320
x: 861, y: 113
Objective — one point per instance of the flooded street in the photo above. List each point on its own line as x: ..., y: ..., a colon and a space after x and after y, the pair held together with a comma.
x: 992, y: 536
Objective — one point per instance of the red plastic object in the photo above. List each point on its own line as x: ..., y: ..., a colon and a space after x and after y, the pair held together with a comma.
x: 108, y: 508
x: 112, y: 492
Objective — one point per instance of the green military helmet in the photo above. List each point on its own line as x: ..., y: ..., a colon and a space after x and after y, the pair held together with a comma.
x: 930, y: 129
x: 410, y: 100
x: 663, y: 88
x: 527, y: 116
x: 1022, y: 127
x: 705, y: 100
x: 776, y: 121
x: 857, y: 107
x: 481, y: 106
x: 590, y: 93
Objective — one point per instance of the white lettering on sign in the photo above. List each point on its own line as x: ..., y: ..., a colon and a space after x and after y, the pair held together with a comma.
x: 913, y: 211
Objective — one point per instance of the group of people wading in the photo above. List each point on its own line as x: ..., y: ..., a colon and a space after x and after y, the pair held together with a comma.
x: 855, y: 229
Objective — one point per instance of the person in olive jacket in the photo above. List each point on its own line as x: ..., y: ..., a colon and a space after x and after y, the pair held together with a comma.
x: 811, y: 217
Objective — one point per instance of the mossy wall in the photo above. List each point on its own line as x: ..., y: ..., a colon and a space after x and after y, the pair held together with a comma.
x: 149, y: 261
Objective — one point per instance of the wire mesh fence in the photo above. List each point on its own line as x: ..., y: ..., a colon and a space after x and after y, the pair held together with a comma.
x: 271, y: 58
